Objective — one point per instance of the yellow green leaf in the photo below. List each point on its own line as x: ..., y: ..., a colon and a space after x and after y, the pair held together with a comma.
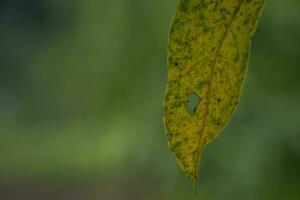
x: 208, y: 54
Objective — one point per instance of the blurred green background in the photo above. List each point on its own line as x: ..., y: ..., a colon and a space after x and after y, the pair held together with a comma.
x: 81, y: 94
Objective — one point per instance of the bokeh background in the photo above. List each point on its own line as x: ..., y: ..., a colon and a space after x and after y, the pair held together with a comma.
x: 81, y: 94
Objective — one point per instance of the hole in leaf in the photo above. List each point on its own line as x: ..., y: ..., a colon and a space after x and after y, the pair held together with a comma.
x: 192, y: 103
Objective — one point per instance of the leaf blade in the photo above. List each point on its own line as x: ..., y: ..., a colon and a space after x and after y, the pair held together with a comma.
x: 207, y: 55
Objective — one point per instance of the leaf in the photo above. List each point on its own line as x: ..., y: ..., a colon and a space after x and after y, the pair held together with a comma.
x: 208, y: 55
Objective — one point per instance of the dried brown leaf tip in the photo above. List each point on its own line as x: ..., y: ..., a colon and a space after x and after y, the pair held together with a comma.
x: 208, y: 54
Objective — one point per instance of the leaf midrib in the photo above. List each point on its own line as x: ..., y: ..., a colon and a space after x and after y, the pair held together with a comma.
x: 208, y: 96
